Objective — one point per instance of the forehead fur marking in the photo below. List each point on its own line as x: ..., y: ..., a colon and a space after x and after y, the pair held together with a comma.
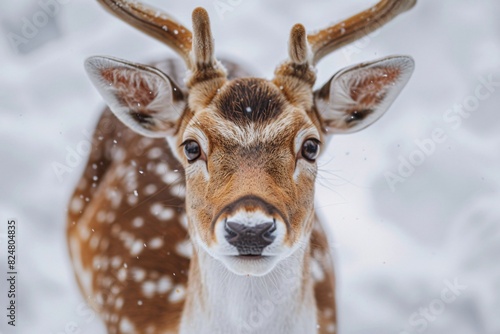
x: 250, y: 100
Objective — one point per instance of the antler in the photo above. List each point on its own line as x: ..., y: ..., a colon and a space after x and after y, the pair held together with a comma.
x: 204, y: 64
x: 197, y: 48
x: 305, y: 50
x: 334, y: 37
x: 153, y: 22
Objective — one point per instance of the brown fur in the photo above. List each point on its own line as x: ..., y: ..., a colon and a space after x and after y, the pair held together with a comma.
x: 155, y: 313
x: 117, y: 280
x: 109, y: 221
x: 250, y: 100
x: 126, y: 224
x: 268, y: 176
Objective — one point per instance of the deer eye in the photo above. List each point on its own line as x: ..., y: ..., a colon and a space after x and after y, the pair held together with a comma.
x: 192, y: 150
x: 310, y: 149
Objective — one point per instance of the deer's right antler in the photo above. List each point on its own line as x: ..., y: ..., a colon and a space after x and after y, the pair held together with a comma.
x: 196, y: 48
x: 153, y: 22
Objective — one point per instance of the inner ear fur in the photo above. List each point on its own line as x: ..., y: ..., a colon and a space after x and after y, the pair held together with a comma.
x: 141, y: 96
x: 357, y: 96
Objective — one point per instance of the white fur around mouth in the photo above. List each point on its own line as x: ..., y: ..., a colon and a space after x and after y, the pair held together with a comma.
x: 250, y: 265
x: 249, y: 257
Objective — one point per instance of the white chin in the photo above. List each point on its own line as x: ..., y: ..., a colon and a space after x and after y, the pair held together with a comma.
x: 250, y: 265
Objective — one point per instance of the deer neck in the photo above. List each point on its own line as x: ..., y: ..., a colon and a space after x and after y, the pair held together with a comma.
x: 221, y: 302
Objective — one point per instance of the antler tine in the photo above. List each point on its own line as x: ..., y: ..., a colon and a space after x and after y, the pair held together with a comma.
x: 204, y: 64
x: 155, y: 23
x: 203, y: 42
x: 296, y: 72
x: 297, y: 46
x: 334, y: 37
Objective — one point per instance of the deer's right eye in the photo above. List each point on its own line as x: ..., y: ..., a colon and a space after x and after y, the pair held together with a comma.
x: 310, y: 149
x: 192, y: 150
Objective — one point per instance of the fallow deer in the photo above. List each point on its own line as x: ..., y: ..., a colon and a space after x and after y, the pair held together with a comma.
x: 195, y: 213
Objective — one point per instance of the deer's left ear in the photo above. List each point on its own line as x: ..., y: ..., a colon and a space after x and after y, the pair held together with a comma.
x: 357, y: 96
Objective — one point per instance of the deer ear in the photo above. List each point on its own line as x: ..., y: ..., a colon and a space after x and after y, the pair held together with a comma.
x: 142, y: 97
x: 357, y: 96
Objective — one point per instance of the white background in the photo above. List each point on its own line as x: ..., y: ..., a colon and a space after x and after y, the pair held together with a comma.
x: 395, y: 249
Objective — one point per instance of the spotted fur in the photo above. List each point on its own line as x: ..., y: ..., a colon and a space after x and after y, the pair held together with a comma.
x: 197, y: 217
x: 127, y: 230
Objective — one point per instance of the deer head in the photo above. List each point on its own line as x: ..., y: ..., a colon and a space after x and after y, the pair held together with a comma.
x: 249, y: 146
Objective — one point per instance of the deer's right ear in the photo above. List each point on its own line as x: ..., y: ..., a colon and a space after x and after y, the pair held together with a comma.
x: 142, y: 97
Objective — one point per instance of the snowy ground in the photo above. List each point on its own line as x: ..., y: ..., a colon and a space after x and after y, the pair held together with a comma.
x: 398, y: 249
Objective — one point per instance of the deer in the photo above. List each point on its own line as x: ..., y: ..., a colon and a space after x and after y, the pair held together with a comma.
x: 195, y: 212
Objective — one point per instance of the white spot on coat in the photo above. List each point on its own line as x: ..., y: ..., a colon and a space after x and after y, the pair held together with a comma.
x: 155, y: 243
x: 161, y: 168
x: 154, y: 153
x: 150, y: 189
x: 119, y: 303
x: 110, y: 217
x: 132, y: 200
x: 136, y: 247
x: 116, y: 262
x: 162, y: 213
x: 122, y: 274
x: 166, y: 214
x: 126, y: 326
x: 137, y: 222
x: 164, y: 284
x: 178, y: 191
x: 94, y: 241
x: 101, y: 216
x: 184, y: 248
x: 138, y: 274
x: 177, y: 294
x: 83, y: 231
x: 148, y: 289
x: 316, y: 271
x: 76, y: 205
x: 171, y: 177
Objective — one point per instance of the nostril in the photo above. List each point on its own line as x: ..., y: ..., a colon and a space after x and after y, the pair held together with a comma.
x: 233, y: 231
x: 235, y: 227
x: 267, y: 234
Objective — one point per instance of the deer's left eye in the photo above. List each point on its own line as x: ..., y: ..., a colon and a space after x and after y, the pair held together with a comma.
x: 192, y: 150
x: 310, y: 149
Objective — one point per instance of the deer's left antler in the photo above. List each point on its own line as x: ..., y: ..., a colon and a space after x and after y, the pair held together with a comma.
x: 336, y: 36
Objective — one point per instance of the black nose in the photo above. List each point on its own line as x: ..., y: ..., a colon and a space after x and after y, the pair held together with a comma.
x: 250, y: 240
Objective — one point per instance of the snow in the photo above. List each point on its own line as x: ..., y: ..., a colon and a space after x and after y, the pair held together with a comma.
x: 398, y: 250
